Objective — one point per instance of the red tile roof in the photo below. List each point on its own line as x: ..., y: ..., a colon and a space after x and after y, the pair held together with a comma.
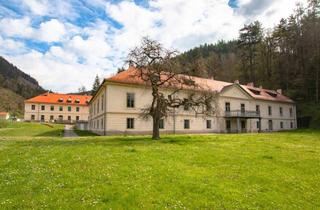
x: 130, y: 77
x: 57, y: 98
x: 4, y: 113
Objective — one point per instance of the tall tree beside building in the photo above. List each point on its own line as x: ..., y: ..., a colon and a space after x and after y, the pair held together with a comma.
x: 96, y: 85
x: 157, y: 68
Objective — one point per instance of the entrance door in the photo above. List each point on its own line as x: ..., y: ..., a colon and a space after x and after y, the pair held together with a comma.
x: 243, y: 126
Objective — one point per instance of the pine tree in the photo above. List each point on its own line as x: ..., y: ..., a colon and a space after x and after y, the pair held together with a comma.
x: 96, y: 85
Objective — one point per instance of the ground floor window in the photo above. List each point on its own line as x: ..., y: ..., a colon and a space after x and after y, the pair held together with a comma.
x: 130, y: 123
x: 270, y: 125
x: 69, y: 118
x: 186, y: 124
x: 161, y: 124
x: 33, y: 117
x: 60, y: 117
x: 77, y: 118
x: 258, y: 124
x: 51, y: 117
x: 209, y: 124
x: 243, y: 124
x: 101, y: 123
x: 42, y: 118
x: 281, y: 125
x: 291, y: 124
x: 228, y: 124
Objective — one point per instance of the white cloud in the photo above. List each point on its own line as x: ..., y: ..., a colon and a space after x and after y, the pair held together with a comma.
x: 38, y: 7
x: 16, y: 27
x: 51, y: 31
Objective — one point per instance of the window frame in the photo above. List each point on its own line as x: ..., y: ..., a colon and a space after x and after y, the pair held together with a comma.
x: 33, y: 107
x: 161, y: 124
x: 209, y: 124
x: 270, y: 110
x: 130, y: 100
x: 227, y: 106
x: 43, y: 107
x: 130, y: 123
x: 186, y: 124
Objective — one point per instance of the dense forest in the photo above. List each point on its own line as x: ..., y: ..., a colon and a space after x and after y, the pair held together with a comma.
x: 286, y: 57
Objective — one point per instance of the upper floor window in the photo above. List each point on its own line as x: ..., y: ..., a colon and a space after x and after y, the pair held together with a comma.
x: 290, y: 110
x: 77, y: 109
x: 186, y: 124
x: 60, y: 108
x: 243, y: 108
x: 269, y: 110
x: 258, y: 109
x: 209, y: 124
x: 33, y: 107
x: 280, y: 111
x: 69, y: 108
x: 43, y: 107
x: 102, y: 102
x: 52, y: 108
x: 130, y: 123
x: 98, y: 106
x: 227, y: 105
x: 161, y: 124
x: 130, y: 100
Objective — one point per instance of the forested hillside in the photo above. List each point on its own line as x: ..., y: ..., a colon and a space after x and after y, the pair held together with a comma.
x: 286, y: 57
x: 15, y: 86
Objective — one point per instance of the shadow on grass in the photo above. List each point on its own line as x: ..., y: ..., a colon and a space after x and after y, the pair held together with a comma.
x: 53, y: 133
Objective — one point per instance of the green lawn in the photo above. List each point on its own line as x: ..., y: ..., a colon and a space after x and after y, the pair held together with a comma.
x: 29, y: 129
x: 245, y: 171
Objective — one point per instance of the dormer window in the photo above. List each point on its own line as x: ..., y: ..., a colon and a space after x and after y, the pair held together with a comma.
x: 256, y: 92
x: 272, y: 94
x: 69, y: 100
x: 60, y: 100
x: 77, y: 101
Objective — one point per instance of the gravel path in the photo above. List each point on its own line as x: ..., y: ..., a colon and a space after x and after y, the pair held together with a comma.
x: 68, y: 131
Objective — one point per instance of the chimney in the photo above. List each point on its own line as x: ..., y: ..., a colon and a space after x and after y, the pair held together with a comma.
x: 250, y: 84
x: 279, y: 91
x: 236, y: 82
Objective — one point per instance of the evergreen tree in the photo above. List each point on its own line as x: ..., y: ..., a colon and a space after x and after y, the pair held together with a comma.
x: 96, y: 85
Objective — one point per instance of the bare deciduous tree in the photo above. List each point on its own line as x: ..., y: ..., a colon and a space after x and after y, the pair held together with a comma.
x: 157, y: 68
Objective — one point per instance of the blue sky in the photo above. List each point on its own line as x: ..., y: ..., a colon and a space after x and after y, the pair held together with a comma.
x: 65, y: 43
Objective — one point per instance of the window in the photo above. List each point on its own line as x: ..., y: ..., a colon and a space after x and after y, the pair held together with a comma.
x: 228, y: 124
x: 33, y: 107
x: 258, y: 124
x: 243, y: 108
x: 60, y: 118
x: 186, y: 124
x: 52, y: 108
x: 42, y: 118
x: 69, y: 118
x: 290, y: 110
x: 280, y: 111
x: 269, y: 110
x: 32, y: 117
x: 291, y: 124
x: 227, y: 106
x: 101, y: 123
x: 51, y: 117
x: 77, y: 109
x: 208, y: 124
x: 102, y: 103
x: 43, y: 107
x: 98, y: 106
x: 130, y: 100
x: 161, y: 124
x: 281, y: 125
x: 69, y: 108
x: 258, y: 109
x: 130, y: 123
x: 270, y: 125
x: 60, y: 108
x: 77, y: 118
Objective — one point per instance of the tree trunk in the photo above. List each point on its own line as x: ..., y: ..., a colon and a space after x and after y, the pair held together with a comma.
x: 156, y: 132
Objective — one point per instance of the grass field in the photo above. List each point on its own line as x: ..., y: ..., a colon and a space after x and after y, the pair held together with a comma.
x: 245, y: 171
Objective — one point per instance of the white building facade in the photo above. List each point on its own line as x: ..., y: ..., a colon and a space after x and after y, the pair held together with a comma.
x: 116, y: 108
